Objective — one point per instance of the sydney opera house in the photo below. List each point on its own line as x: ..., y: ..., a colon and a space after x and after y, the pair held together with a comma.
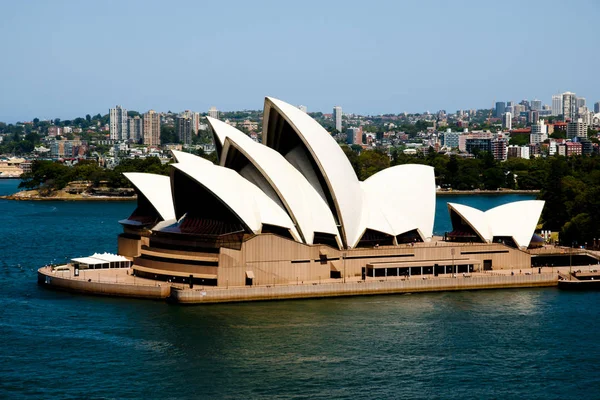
x: 292, y: 210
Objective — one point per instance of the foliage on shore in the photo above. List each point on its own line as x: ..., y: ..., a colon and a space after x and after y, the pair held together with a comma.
x: 48, y: 176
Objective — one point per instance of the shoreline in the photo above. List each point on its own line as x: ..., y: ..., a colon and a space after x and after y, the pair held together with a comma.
x: 16, y: 197
x: 119, y: 283
x: 484, y: 192
x: 78, y: 198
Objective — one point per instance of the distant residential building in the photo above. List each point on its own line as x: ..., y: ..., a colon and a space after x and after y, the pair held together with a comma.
x: 539, y: 127
x: 539, y: 132
x: 514, y: 151
x: 499, y: 146
x: 573, y: 149
x: 303, y: 108
x: 451, y: 139
x: 533, y: 116
x: 151, y: 128
x: 135, y: 129
x: 67, y: 148
x: 213, y: 112
x: 535, y: 150
x: 476, y: 143
x: 337, y: 118
x: 569, y: 105
x: 195, y: 118
x: 581, y: 102
x: 507, y: 121
x: 184, y: 129
x: 576, y: 128
x: 519, y: 109
x: 250, y: 126
x: 552, y: 148
x: 525, y: 104
x: 587, y: 147
x: 556, y: 105
x: 536, y: 105
x: 500, y: 109
x: 118, y: 123
x: 54, y: 131
x: 354, y: 136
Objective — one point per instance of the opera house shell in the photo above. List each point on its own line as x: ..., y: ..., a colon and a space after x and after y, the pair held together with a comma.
x: 288, y: 210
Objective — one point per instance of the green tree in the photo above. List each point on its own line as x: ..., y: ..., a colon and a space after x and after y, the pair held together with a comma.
x: 519, y: 140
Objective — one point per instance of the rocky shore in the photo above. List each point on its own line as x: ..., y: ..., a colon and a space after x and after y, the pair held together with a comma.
x: 62, y: 195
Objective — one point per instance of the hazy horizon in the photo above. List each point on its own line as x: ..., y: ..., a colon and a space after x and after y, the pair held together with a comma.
x: 65, y: 59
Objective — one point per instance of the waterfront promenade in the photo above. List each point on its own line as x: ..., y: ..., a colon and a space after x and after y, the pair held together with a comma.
x: 120, y: 283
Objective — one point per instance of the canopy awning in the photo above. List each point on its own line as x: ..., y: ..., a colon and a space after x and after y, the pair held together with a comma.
x: 424, y: 263
x: 250, y: 274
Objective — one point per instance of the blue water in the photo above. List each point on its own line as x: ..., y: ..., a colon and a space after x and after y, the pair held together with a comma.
x: 505, y: 344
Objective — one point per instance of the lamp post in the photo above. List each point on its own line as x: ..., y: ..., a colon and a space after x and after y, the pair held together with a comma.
x: 344, y: 265
x: 571, y: 259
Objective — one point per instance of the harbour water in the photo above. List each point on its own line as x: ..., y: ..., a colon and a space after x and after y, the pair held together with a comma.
x: 530, y: 343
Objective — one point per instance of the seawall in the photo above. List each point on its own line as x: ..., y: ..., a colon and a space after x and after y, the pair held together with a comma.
x: 146, y: 289
x: 262, y: 293
x: 156, y: 292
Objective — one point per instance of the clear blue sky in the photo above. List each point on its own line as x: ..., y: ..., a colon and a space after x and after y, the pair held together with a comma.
x: 64, y: 59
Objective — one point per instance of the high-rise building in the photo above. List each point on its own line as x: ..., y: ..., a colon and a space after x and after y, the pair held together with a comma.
x: 533, y: 116
x: 576, y: 128
x: 195, y: 117
x: 519, y: 108
x: 499, y: 148
x: 539, y: 127
x: 597, y: 107
x: 337, y: 118
x: 580, y: 102
x: 135, y: 128
x: 536, y: 105
x: 500, y: 109
x: 507, y: 121
x: 303, y: 108
x: 213, y: 112
x: 556, y: 105
x: 569, y: 105
x: 184, y: 129
x: 354, y: 136
x: 118, y: 123
x: 152, y: 128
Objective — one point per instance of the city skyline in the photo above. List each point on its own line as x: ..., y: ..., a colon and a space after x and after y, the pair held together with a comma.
x: 391, y: 58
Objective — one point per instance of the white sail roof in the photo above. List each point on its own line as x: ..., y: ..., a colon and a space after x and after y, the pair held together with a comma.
x: 182, y: 157
x: 246, y: 200
x: 340, y: 179
x: 306, y: 207
x: 517, y: 220
x: 474, y: 218
x: 157, y: 189
x: 405, y: 196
